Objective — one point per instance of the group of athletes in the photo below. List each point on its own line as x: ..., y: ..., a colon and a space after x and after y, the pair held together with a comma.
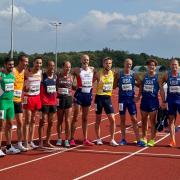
x: 26, y: 91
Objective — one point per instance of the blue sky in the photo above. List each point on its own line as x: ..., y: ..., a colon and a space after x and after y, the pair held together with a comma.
x: 136, y: 26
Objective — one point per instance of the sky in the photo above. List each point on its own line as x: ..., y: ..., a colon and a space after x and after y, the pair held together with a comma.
x: 136, y: 26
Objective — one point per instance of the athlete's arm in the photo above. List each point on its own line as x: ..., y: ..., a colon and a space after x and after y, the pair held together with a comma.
x: 161, y: 81
x: 139, y: 84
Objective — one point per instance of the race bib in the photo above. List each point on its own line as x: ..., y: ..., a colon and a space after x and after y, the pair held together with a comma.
x: 63, y: 91
x: 107, y: 87
x: 174, y: 89
x: 51, y: 89
x: 120, y: 106
x: 9, y: 87
x: 148, y: 88
x: 86, y: 89
x: 25, y: 100
x: 1, y: 114
x: 127, y: 87
x: 17, y: 93
x: 87, y: 83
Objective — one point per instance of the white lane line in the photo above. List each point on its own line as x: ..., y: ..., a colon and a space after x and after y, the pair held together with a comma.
x: 44, y: 157
x: 117, y: 161
x: 126, y: 152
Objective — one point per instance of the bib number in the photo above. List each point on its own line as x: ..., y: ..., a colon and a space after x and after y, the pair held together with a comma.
x: 51, y: 89
x: 9, y: 87
x: 1, y: 114
x: 120, y: 106
x: 149, y: 88
x: 127, y: 87
x: 107, y: 88
x: 17, y: 93
x: 174, y: 89
x: 63, y: 91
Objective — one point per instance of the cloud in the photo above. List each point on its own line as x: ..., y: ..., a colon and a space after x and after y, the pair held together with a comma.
x: 40, y: 1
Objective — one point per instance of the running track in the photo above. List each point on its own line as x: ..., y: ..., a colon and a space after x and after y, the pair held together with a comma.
x: 97, y: 162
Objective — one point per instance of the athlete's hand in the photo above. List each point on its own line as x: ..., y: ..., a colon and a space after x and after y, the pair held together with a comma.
x: 164, y: 105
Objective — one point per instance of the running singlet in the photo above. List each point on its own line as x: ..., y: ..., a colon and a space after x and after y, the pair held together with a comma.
x: 173, y: 84
x: 48, y: 90
x: 33, y: 82
x: 64, y: 85
x: 7, y: 86
x: 105, y: 85
x: 150, y: 86
x: 18, y: 85
x: 85, y: 80
x: 126, y: 85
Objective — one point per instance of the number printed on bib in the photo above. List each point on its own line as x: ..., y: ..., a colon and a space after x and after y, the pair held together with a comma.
x: 174, y: 89
x: 127, y: 87
x: 120, y: 106
x: 107, y: 87
x: 17, y: 93
x: 9, y: 87
x: 87, y: 83
x: 1, y: 114
x: 51, y: 89
x: 148, y: 88
x: 63, y: 91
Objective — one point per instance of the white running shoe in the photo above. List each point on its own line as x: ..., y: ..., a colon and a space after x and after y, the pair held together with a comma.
x: 21, y: 147
x: 99, y: 142
x: 33, y: 145
x: 2, y: 154
x: 12, y: 150
x: 59, y: 142
x: 113, y: 143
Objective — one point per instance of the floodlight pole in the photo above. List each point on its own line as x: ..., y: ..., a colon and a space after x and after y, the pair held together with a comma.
x: 56, y: 25
x: 12, y: 18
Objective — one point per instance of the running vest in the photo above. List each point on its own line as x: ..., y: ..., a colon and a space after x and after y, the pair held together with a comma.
x: 150, y: 86
x: 126, y: 85
x: 7, y: 86
x: 33, y: 82
x: 49, y: 84
x: 85, y: 80
x: 64, y: 84
x: 173, y: 84
x: 105, y: 84
x: 18, y: 85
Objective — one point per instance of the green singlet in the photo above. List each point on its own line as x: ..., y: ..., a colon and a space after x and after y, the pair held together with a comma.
x: 6, y: 96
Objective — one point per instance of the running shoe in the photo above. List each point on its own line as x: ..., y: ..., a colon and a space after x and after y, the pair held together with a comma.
x: 86, y: 142
x: 151, y: 143
x: 144, y: 140
x: 59, y: 142
x: 12, y: 150
x: 123, y: 142
x: 72, y: 142
x: 172, y: 143
x: 113, y: 143
x: 141, y: 143
x: 2, y: 154
x: 33, y: 145
x: 21, y: 147
x: 99, y: 142
x: 66, y: 143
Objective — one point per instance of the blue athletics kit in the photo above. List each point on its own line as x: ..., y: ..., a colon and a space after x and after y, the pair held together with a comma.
x: 173, y: 94
x: 126, y: 93
x: 150, y: 88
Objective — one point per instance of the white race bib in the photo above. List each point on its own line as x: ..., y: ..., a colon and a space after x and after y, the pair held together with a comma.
x: 17, y: 93
x: 86, y: 89
x: 1, y: 114
x: 127, y: 87
x: 148, y: 88
x: 25, y: 99
x: 63, y: 91
x: 51, y: 89
x: 87, y: 83
x: 107, y: 87
x: 9, y: 87
x: 120, y: 106
x: 174, y: 89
